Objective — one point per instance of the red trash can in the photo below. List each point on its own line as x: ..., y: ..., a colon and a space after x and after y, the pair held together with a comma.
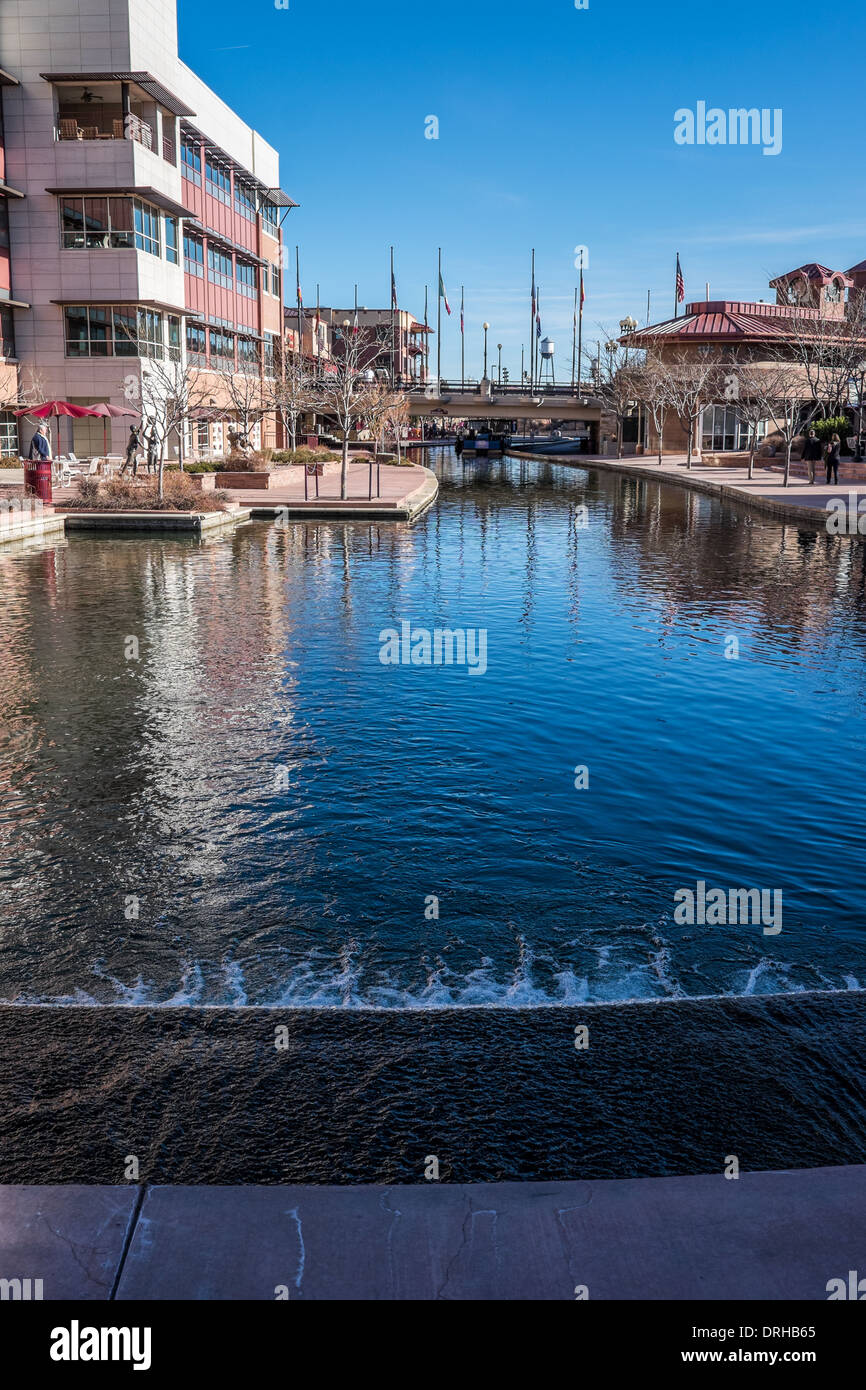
x: 37, y: 479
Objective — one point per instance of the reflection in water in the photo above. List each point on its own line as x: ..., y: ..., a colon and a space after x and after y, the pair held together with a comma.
x: 256, y: 810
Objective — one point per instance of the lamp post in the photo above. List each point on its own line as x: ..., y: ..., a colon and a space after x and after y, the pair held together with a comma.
x: 486, y: 327
x: 627, y: 325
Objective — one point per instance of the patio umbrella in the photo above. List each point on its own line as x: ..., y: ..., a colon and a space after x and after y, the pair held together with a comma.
x: 50, y: 408
x: 110, y: 412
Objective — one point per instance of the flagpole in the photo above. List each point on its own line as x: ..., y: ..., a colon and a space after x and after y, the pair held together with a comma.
x: 426, y: 341
x: 648, y: 308
x: 535, y: 335
x: 462, y: 341
x: 580, y: 327
x: 439, y: 326
x: 532, y: 327
x: 393, y: 347
x: 300, y: 303
x: 573, y: 340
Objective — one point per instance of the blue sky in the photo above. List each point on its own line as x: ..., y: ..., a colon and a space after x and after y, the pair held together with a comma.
x: 555, y: 130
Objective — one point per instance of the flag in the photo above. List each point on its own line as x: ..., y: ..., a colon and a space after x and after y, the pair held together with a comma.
x: 355, y: 323
x: 681, y: 284
x: 393, y: 291
x: 443, y: 296
x: 582, y: 290
x: 538, y: 312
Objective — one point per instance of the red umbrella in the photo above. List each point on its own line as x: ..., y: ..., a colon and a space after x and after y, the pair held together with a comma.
x: 110, y: 412
x: 49, y: 408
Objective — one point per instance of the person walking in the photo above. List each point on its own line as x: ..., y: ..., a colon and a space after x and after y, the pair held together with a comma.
x: 832, y: 459
x: 133, y: 446
x: 40, y: 449
x: 811, y: 453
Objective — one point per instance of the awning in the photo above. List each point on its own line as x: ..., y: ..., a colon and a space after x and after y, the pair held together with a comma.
x: 145, y: 80
x: 8, y: 192
x: 106, y: 302
x: 149, y: 195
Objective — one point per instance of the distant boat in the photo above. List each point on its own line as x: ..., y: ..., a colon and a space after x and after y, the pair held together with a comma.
x: 485, y: 443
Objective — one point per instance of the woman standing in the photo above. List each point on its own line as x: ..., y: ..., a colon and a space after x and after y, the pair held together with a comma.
x: 832, y: 459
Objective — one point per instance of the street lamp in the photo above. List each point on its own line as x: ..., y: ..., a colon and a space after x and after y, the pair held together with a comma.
x: 627, y: 325
x: 485, y: 326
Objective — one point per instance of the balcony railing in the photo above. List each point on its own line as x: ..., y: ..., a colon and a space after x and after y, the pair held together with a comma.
x: 110, y: 128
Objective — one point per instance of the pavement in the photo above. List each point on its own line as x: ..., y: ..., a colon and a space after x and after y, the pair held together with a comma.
x: 765, y: 1235
x: 800, y: 501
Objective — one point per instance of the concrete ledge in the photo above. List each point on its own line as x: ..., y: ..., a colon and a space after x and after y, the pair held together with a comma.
x: 407, y: 508
x: 741, y: 494
x: 30, y: 528
x: 767, y: 1235
x: 202, y: 523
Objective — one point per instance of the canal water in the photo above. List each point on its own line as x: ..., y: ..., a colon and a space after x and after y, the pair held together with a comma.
x: 213, y: 791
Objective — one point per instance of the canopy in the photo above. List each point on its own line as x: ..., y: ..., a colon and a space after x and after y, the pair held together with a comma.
x: 42, y: 412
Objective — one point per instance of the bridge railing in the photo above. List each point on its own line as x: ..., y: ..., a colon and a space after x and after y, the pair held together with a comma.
x: 509, y: 388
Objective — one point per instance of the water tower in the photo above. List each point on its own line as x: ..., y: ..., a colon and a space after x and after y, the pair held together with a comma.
x: 546, y: 348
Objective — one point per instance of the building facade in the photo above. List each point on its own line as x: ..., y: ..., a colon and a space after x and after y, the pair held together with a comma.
x: 149, y: 232
x: 9, y: 384
x: 732, y: 331
x: 392, y: 341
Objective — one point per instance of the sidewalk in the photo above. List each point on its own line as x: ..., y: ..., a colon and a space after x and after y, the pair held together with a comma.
x: 801, y: 501
x: 772, y: 1235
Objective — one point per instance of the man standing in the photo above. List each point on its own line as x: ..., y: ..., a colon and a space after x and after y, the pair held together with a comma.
x: 812, y: 453
x: 40, y: 449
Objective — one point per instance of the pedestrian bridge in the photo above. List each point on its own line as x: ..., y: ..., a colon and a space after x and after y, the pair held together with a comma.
x: 487, y: 401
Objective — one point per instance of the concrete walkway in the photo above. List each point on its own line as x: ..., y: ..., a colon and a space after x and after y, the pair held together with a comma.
x: 403, y: 493
x: 776, y: 1235
x: 766, y: 491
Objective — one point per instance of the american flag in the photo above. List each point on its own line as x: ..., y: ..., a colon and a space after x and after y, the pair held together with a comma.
x: 538, y: 312
x: 681, y: 284
x: 393, y: 291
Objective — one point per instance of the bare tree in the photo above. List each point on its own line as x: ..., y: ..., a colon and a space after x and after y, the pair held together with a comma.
x: 653, y: 390
x: 348, y: 392
x: 171, y: 391
x: 617, y: 383
x: 294, y: 392
x: 247, y: 396
x: 693, y: 381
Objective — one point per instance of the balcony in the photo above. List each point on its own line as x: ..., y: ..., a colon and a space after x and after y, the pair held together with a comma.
x: 117, y: 106
x: 108, y: 125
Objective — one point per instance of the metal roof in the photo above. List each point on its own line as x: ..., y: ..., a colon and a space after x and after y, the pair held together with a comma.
x: 148, y: 194
x: 729, y: 321
x: 277, y: 196
x: 145, y: 80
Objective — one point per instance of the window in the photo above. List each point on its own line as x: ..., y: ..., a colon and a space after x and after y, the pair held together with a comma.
x: 222, y: 346
x: 96, y: 224
x: 248, y: 354
x: 218, y: 181
x: 8, y: 435
x: 115, y: 331
x: 193, y: 256
x: 723, y: 430
x: 202, y: 436
x: 247, y: 279
x: 4, y: 224
x: 245, y: 202
x: 171, y: 253
x: 7, y: 333
x: 271, y: 218
x: 190, y: 161
x: 219, y: 268
x: 174, y: 337
x: 276, y: 282
x: 146, y: 228
x: 269, y: 352
x: 196, y: 344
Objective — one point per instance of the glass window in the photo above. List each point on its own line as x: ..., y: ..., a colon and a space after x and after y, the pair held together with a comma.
x: 100, y: 332
x: 222, y: 346
x: 190, y: 161
x: 8, y: 435
x: 271, y: 218
x: 96, y: 229
x: 247, y: 279
x: 245, y: 201
x: 77, y: 335
x: 196, y: 340
x: 219, y: 268
x: 218, y: 181
x: 150, y: 340
x: 97, y: 224
x: 193, y: 256
x: 171, y: 253
x: 146, y: 228
x: 7, y: 333
x: 125, y: 333
x: 122, y: 227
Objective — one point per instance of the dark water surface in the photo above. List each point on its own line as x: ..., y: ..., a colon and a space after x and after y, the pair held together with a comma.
x: 282, y: 805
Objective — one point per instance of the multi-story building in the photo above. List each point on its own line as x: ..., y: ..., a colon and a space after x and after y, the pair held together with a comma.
x: 150, y: 229
x: 9, y: 385
x: 392, y: 342
x: 731, y: 331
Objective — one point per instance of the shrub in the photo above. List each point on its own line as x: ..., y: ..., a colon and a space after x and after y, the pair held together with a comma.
x: 125, y: 495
